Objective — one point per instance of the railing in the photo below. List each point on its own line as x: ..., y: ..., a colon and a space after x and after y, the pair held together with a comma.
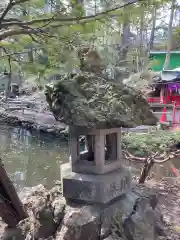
x: 175, y: 99
x: 170, y: 100
x: 147, y: 129
x: 176, y: 124
x: 154, y: 100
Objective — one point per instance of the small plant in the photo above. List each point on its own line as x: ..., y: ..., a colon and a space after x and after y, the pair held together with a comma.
x: 150, y: 148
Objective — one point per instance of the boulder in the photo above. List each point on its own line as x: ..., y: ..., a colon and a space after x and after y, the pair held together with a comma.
x: 87, y: 100
x: 12, y: 234
x: 46, y: 211
x: 133, y: 217
x: 80, y: 223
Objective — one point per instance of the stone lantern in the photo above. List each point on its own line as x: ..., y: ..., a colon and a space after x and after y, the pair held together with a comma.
x: 97, y: 108
x: 96, y: 174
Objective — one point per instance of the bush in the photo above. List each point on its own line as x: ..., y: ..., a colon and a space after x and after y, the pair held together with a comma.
x: 141, y: 144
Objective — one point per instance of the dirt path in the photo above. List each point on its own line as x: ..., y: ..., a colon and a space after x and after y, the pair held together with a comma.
x: 169, y: 203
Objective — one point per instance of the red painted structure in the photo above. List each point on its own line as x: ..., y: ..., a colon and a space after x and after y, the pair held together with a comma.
x: 167, y: 93
x: 167, y: 88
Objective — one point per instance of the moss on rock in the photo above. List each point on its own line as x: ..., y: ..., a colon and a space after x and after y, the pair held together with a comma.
x: 89, y: 100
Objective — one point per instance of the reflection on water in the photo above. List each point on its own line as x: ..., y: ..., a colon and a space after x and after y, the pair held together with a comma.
x: 31, y: 158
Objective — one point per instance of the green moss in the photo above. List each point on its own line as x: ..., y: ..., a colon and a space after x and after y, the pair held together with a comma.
x: 90, y: 100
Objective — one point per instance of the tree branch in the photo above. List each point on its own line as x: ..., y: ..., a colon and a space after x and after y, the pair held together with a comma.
x: 9, y: 54
x: 19, y: 53
x: 6, y: 10
x: 10, y: 5
x: 70, y: 20
x: 13, y: 32
x: 66, y: 21
x: 162, y: 158
x: 17, y: 2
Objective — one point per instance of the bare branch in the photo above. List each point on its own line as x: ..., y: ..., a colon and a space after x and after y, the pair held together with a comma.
x: 11, y: 20
x: 133, y: 157
x: 34, y: 39
x: 17, y: 2
x: 161, y: 159
x: 6, y: 51
x: 10, y: 5
x: 6, y: 10
x: 65, y: 19
x: 169, y: 157
x: 5, y: 23
x: 14, y: 32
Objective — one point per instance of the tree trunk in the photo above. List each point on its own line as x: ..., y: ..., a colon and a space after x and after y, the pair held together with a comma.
x: 11, y: 208
x: 76, y: 4
x: 169, y: 43
x: 142, y: 46
x: 125, y: 36
x: 146, y: 169
x: 151, y: 42
x: 8, y: 86
x: 57, y: 6
x: 30, y: 55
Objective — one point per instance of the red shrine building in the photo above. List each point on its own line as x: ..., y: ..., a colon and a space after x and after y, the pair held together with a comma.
x: 165, y: 96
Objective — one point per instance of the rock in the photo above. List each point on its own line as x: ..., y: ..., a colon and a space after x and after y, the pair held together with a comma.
x: 50, y: 130
x: 92, y: 100
x: 133, y: 217
x: 32, y: 119
x: 46, y: 211
x: 76, y: 100
x: 56, y: 191
x: 80, y: 224
x: 30, y: 196
x: 39, y: 190
x: 112, y: 238
x: 43, y: 219
x: 143, y: 222
x: 40, y: 223
x: 58, y: 203
x: 59, y: 207
x: 12, y: 234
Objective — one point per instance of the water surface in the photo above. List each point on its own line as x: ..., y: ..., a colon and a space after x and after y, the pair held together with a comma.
x: 32, y: 158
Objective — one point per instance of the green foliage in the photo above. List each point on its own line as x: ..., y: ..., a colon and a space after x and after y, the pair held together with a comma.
x: 61, y: 39
x: 141, y: 144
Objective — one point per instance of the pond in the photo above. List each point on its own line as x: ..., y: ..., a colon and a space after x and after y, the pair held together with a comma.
x: 33, y: 158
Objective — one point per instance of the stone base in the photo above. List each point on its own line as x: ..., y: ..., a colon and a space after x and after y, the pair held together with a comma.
x: 132, y: 217
x: 95, y: 188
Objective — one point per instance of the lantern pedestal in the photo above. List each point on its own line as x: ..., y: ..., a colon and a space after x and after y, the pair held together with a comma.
x: 96, y: 175
x: 92, y: 188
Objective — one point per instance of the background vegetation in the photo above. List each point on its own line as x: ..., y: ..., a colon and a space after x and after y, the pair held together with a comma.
x: 41, y: 38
